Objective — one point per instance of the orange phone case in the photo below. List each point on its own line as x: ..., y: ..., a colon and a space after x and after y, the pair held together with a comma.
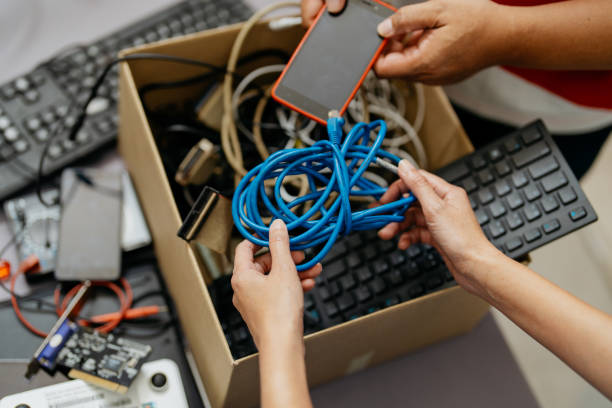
x: 297, y: 50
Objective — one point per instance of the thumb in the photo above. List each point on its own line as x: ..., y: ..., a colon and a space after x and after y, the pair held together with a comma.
x: 408, y: 19
x: 419, y: 186
x: 279, y: 246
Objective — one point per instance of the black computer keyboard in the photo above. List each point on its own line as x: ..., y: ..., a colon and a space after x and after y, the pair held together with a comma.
x: 522, y: 191
x: 33, y: 104
x: 524, y: 196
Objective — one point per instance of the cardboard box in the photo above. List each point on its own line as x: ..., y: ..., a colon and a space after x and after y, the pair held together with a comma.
x: 330, y: 353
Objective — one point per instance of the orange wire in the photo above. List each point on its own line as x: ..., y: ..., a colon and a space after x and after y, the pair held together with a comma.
x: 125, y: 300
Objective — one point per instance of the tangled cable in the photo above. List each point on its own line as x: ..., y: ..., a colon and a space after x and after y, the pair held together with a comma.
x: 334, y: 170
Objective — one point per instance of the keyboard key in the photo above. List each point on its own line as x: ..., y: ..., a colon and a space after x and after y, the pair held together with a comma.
x: 514, y: 201
x: 353, y: 260
x: 22, y: 84
x: 413, y: 251
x: 355, y: 241
x: 392, y: 301
x: 454, y: 172
x: 397, y: 258
x: 42, y: 135
x: 348, y: 282
x: 395, y: 277
x: 8, y: 92
x: 554, y: 181
x: 33, y: 124
x: 308, y: 301
x: 577, y: 213
x: 567, y: 195
x: 485, y: 177
x: 551, y: 226
x: 511, y: 145
x: 514, y: 244
x: 339, y: 249
x: 532, y: 235
x: 497, y: 209
x: 481, y: 217
x: 514, y: 220
x: 502, y: 168
x: 430, y: 261
x: 434, y: 281
x: 370, y: 252
x: 530, y: 135
x: 495, y: 154
x: 411, y: 269
x: 345, y: 302
x: 519, y: 179
x: 334, y: 269
x: 469, y: 185
x: 20, y: 146
x: 496, y: 229
x: 477, y: 162
x: 531, y: 192
x: 530, y: 154
x: 549, y: 204
x: 485, y: 196
x: 385, y: 246
x: 531, y: 212
x: 543, y: 167
x: 363, y: 273
x: 502, y: 188
x: 362, y: 294
x: 55, y: 151
x: 330, y: 309
x: 380, y: 266
x: 11, y: 134
x: 378, y: 286
x: 473, y: 203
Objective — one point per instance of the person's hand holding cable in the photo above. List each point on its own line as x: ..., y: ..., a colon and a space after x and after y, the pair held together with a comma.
x: 443, y: 219
x: 268, y: 293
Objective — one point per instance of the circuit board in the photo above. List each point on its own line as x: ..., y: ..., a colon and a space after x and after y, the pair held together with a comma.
x: 108, y: 361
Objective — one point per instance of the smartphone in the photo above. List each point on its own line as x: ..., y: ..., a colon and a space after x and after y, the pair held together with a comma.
x: 332, y: 60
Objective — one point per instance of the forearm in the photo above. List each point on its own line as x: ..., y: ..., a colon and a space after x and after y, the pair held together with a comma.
x: 571, y: 34
x: 577, y: 333
x: 283, y: 374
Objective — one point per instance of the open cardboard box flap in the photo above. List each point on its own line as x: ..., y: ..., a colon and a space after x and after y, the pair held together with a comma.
x: 330, y: 353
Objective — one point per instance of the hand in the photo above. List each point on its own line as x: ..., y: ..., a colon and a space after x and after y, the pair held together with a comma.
x: 443, y: 41
x: 268, y: 291
x: 310, y: 8
x: 443, y: 218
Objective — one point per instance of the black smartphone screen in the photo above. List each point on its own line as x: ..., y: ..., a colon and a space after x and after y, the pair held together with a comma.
x: 333, y: 58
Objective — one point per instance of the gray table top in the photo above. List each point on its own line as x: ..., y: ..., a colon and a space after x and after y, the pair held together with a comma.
x: 475, y: 370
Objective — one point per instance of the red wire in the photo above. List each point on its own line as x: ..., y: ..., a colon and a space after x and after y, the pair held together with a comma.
x: 125, y: 300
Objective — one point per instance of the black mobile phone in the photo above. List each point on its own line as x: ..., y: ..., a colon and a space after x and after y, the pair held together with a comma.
x: 332, y: 60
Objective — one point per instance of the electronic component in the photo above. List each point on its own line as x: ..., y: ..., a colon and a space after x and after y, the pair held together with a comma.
x: 158, y: 385
x: 105, y: 360
x: 333, y: 59
x: 522, y: 190
x: 90, y: 227
x: 209, y: 221
x: 198, y: 165
x: 210, y: 108
x: 33, y: 104
x: 37, y: 226
x: 46, y: 355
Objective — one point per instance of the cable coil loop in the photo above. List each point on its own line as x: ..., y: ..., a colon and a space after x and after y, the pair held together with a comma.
x: 334, y: 170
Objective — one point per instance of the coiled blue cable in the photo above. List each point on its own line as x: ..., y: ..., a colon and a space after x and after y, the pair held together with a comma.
x: 320, y: 225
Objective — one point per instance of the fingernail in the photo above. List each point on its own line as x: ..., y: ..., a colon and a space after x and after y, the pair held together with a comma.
x: 405, y: 166
x: 277, y: 225
x: 334, y: 6
x: 385, y: 28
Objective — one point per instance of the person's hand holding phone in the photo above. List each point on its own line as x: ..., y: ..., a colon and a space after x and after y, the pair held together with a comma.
x: 438, y: 41
x: 442, y: 218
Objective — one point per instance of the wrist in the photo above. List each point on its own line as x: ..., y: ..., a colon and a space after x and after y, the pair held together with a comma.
x: 480, y: 266
x: 281, y: 341
x: 503, y: 30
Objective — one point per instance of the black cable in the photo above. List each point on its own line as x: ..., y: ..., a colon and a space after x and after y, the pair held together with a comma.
x: 94, y: 92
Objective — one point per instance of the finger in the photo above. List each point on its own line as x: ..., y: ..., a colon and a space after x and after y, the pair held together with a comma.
x: 410, y: 18
x: 310, y: 8
x: 405, y: 63
x: 395, y: 190
x: 307, y: 284
x: 243, y: 258
x: 414, y: 236
x: 419, y: 186
x: 335, y: 6
x: 440, y: 186
x: 311, y: 273
x: 263, y: 263
x: 279, y: 246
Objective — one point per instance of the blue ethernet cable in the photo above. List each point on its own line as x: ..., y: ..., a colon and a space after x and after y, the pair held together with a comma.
x: 319, y: 225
